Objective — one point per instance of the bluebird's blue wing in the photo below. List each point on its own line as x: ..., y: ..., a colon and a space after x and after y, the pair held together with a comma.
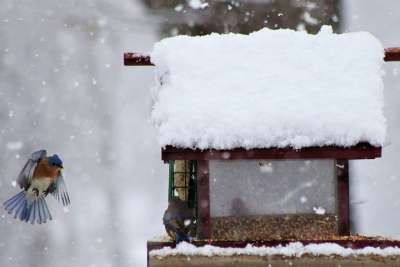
x: 40, y: 154
x: 59, y: 190
x: 25, y: 176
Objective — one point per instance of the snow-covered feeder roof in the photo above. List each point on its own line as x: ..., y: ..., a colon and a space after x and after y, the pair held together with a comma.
x: 271, y: 88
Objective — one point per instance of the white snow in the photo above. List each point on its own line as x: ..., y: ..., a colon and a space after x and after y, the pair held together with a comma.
x: 272, y: 88
x: 178, y: 8
x: 319, y: 210
x: 266, y: 168
x: 197, y: 4
x: 295, y: 249
x: 309, y: 19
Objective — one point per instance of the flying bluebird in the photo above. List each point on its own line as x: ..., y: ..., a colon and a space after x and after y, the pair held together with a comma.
x: 177, y: 220
x: 40, y: 176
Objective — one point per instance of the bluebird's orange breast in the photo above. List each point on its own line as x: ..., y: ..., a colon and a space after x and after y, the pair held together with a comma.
x: 43, y: 169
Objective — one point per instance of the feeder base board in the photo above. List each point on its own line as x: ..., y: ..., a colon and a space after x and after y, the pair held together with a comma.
x: 275, y: 261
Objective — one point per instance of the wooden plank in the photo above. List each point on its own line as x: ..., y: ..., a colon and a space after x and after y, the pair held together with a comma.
x: 359, y: 151
x: 138, y: 59
x: 305, y: 260
x: 349, y: 242
x: 392, y: 54
x: 343, y: 197
x: 203, y: 200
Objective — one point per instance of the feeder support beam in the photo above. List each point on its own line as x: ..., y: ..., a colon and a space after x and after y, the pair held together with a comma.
x: 392, y: 54
x: 138, y: 59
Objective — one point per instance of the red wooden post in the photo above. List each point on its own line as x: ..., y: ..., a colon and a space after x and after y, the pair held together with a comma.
x: 343, y: 196
x: 203, y: 200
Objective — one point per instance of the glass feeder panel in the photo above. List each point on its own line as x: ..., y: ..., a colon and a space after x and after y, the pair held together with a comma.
x: 254, y: 187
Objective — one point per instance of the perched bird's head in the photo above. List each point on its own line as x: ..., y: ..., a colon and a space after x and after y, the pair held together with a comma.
x: 55, y: 161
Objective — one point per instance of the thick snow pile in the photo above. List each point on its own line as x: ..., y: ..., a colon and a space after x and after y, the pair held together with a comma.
x: 295, y: 249
x: 272, y: 88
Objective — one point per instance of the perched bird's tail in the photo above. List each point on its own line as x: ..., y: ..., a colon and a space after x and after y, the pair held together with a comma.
x: 30, y: 210
x: 180, y: 237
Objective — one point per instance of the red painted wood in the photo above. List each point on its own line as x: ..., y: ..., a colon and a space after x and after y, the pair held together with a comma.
x: 392, y: 54
x: 137, y: 59
x: 343, y: 196
x: 203, y: 200
x: 347, y: 243
x: 360, y: 151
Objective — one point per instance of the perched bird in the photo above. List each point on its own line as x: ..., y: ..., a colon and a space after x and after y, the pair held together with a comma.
x: 40, y: 176
x: 177, y: 220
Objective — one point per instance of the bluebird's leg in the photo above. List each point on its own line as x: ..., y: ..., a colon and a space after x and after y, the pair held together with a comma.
x: 35, y: 191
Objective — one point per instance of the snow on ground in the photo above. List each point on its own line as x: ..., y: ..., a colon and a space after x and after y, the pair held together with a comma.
x: 295, y: 249
x: 272, y: 88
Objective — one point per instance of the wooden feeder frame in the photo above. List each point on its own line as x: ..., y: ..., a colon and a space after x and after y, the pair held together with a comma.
x: 341, y: 155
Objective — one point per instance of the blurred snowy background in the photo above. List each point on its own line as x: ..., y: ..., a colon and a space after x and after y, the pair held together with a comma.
x: 63, y: 87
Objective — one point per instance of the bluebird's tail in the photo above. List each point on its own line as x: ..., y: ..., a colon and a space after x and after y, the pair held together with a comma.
x: 180, y: 237
x: 29, y: 210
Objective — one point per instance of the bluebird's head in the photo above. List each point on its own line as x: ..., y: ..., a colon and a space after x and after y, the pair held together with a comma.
x: 55, y: 161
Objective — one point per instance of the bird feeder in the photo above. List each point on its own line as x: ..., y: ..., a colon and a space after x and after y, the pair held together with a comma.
x: 242, y: 195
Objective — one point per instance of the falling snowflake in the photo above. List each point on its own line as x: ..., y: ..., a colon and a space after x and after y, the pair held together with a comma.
x: 266, y: 167
x: 15, y: 145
